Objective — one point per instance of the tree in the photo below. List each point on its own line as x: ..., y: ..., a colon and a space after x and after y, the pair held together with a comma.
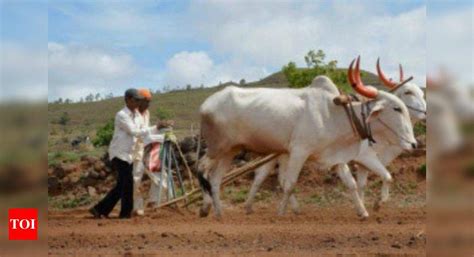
x: 188, y: 87
x: 298, y: 78
x: 97, y: 96
x: 242, y: 82
x: 109, y: 96
x: 67, y: 101
x: 60, y: 100
x: 64, y: 119
x: 81, y: 100
x: 89, y: 98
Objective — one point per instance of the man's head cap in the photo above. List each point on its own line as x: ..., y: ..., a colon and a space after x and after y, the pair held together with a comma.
x: 132, y: 92
x: 145, y: 93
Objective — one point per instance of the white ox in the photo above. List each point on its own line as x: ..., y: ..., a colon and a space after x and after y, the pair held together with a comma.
x: 385, y: 149
x: 302, y: 123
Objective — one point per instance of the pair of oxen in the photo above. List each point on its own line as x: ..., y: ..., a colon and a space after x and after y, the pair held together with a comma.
x: 306, y: 124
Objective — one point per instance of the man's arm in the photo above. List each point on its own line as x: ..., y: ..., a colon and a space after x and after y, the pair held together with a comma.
x: 126, y: 123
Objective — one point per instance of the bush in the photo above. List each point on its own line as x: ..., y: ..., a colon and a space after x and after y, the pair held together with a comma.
x: 104, y: 134
x: 64, y: 119
x: 422, y: 170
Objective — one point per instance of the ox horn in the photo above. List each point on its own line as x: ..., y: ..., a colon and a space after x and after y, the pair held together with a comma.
x: 400, y: 68
x: 357, y: 84
x: 384, y: 79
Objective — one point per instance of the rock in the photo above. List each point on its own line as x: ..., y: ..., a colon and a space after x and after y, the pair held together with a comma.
x: 62, y: 170
x: 99, y: 166
x: 93, y: 174
x: 396, y: 246
x: 54, y: 186
x: 89, y: 182
x: 74, y: 178
x: 92, y: 191
x: 89, y: 159
x: 66, y: 180
x: 102, y: 174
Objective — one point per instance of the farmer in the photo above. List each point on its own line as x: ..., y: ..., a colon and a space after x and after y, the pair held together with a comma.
x: 143, y: 119
x: 121, y: 153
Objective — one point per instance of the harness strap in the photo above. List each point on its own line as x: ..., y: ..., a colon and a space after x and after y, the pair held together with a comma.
x: 356, y: 124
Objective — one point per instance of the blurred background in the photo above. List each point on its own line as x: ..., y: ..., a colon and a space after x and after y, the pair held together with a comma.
x: 450, y: 133
x: 23, y: 114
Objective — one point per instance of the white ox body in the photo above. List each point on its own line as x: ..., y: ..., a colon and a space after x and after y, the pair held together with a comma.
x: 301, y: 123
x: 374, y: 158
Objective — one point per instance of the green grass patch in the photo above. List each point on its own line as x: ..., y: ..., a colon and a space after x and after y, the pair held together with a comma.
x: 60, y: 203
x: 422, y: 170
x: 419, y: 129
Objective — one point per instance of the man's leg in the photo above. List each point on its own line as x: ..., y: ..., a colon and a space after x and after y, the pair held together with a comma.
x: 126, y: 196
x: 138, y: 169
x: 106, y: 205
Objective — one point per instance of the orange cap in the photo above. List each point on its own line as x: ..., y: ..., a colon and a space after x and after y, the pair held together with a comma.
x: 145, y: 93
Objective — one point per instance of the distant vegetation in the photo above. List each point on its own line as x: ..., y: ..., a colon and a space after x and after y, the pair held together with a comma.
x: 316, y: 65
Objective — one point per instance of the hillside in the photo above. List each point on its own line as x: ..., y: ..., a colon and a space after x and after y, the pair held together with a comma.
x: 85, y: 118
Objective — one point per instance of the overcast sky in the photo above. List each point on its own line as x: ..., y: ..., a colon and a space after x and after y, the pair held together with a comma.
x: 108, y: 46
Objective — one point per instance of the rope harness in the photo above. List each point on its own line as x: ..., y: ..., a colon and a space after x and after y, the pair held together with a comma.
x: 361, y: 127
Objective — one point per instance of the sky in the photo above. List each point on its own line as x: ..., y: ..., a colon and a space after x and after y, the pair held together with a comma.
x: 108, y: 46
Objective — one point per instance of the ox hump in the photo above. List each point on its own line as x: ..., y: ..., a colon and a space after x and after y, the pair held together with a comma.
x: 324, y: 83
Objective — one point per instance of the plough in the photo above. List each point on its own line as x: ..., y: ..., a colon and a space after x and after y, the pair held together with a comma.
x: 228, y: 178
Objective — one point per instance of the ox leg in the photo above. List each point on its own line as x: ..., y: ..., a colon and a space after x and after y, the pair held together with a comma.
x: 290, y: 177
x: 283, y: 163
x: 216, y: 179
x: 206, y: 167
x: 261, y: 174
x: 362, y: 174
x: 376, y: 166
x: 346, y: 177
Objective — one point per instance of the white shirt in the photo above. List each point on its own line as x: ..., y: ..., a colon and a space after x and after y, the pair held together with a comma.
x: 126, y: 133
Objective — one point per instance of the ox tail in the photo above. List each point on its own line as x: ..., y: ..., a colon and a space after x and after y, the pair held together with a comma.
x: 204, y: 183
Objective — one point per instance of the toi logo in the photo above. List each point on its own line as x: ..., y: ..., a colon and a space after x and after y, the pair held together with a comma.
x: 23, y: 224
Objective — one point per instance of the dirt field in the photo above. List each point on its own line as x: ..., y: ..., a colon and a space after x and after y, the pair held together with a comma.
x: 317, y: 231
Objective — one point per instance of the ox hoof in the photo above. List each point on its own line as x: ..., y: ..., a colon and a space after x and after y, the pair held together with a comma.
x: 203, y: 212
x: 248, y: 210
x: 297, y: 211
x: 377, y: 206
x: 364, y: 215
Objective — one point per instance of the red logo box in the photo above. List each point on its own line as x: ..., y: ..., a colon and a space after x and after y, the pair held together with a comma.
x: 23, y: 224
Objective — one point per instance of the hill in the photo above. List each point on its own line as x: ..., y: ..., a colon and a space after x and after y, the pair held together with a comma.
x: 86, y: 118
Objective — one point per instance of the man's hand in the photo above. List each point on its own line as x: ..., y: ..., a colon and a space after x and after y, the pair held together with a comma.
x: 171, y: 137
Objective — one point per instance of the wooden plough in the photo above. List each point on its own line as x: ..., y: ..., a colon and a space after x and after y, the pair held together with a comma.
x: 228, y: 178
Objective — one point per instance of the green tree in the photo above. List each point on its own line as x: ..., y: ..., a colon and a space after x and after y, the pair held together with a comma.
x: 316, y: 65
x: 104, y: 134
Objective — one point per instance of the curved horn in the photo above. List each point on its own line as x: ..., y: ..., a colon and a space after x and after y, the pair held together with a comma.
x: 400, y: 68
x: 382, y: 77
x: 358, y: 86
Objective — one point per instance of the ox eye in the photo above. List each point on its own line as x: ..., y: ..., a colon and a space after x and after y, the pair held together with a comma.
x: 397, y: 109
x: 408, y: 93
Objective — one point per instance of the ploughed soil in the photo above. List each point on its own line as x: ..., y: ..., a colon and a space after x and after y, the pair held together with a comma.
x: 327, y: 225
x: 327, y: 230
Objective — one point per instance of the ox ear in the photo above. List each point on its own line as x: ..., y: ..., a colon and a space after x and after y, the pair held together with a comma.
x: 375, y: 111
